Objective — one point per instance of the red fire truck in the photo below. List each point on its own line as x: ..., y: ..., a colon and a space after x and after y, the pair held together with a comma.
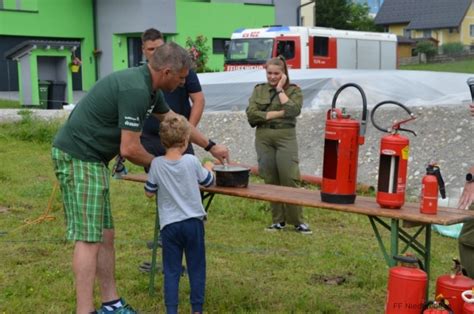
x: 311, y: 47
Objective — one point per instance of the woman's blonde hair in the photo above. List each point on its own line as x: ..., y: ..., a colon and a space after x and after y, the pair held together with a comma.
x: 174, y: 131
x: 281, y: 62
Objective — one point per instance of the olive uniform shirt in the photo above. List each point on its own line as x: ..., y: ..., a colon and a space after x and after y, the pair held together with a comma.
x: 265, y: 98
x: 121, y: 100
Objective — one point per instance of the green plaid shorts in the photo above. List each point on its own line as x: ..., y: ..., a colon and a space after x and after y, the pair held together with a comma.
x: 85, y: 193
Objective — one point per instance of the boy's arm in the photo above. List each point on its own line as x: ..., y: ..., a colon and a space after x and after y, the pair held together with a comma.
x: 150, y: 189
x: 150, y: 186
x: 149, y: 194
x: 209, y: 165
x: 205, y: 174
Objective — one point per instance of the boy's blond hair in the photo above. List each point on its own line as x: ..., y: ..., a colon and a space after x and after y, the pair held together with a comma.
x: 174, y: 131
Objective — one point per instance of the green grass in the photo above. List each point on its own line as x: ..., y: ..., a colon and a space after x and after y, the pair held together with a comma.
x: 466, y: 66
x: 9, y: 104
x: 248, y: 270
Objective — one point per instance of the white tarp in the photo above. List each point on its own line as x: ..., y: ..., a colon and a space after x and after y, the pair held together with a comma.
x: 231, y: 90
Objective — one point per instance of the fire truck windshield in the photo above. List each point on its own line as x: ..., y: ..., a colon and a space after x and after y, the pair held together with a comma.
x: 249, y: 50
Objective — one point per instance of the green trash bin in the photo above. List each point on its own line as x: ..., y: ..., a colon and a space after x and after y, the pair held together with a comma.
x: 43, y: 93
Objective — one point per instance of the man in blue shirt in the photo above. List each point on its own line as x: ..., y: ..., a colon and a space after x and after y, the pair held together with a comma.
x: 178, y: 100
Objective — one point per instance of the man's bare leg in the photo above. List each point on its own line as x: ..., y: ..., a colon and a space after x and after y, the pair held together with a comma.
x: 84, y: 264
x: 106, y: 267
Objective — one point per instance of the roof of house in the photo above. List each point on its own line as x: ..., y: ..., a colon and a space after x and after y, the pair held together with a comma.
x: 29, y: 45
x: 405, y: 40
x: 423, y: 14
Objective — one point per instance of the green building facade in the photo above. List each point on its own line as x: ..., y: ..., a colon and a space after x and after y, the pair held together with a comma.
x: 109, y: 30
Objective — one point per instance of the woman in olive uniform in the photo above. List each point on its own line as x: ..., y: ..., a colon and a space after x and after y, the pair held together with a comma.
x: 273, y: 108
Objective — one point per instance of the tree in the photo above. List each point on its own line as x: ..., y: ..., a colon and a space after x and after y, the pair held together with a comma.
x: 360, y: 20
x: 332, y: 13
x: 344, y: 14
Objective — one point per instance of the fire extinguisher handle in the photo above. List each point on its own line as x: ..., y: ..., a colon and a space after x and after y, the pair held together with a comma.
x: 439, y: 178
x: 442, y: 304
x: 364, y: 104
x: 409, y: 260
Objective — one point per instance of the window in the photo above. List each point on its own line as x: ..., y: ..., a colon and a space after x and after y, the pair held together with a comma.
x: 427, y: 33
x: 219, y: 45
x: 286, y: 49
x: 19, y: 5
x: 256, y: 50
x: 471, y: 30
x: 321, y: 46
x: 407, y: 33
x: 135, y: 53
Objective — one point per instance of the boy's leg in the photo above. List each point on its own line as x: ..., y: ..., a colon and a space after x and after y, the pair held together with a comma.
x: 195, y: 253
x: 172, y: 257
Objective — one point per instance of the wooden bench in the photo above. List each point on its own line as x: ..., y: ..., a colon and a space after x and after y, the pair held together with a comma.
x: 409, y: 215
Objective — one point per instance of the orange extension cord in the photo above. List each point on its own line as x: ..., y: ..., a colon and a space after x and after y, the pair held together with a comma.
x: 46, y: 215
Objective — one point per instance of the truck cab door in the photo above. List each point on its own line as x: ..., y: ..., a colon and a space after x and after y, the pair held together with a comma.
x: 322, y: 52
x: 290, y: 48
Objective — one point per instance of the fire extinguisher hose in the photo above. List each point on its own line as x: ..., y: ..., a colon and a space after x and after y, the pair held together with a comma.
x: 395, y: 126
x: 363, y: 122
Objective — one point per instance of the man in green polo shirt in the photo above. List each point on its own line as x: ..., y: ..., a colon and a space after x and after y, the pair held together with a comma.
x: 107, y: 122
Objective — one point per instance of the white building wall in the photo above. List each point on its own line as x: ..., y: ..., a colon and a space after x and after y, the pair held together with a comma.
x: 307, y: 14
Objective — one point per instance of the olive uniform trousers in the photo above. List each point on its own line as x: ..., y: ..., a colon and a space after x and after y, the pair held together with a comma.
x: 466, y: 246
x: 278, y: 164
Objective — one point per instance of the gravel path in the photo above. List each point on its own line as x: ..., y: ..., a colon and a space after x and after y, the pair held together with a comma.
x: 445, y: 134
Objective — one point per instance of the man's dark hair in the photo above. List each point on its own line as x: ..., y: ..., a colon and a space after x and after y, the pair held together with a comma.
x: 151, y: 34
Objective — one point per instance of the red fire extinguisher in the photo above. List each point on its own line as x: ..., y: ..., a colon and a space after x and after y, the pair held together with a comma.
x: 468, y: 298
x: 429, y: 190
x: 452, y: 286
x: 394, y: 150
x: 343, y: 135
x: 406, y: 289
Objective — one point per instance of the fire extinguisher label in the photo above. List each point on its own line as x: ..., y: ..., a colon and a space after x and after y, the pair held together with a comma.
x: 405, y: 152
x: 389, y: 152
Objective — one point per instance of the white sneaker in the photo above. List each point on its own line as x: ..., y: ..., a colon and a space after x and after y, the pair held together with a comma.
x: 303, y: 229
x: 275, y: 227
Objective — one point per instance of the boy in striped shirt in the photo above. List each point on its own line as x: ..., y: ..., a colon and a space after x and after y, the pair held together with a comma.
x: 175, y: 178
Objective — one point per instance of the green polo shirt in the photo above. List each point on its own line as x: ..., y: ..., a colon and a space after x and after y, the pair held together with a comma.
x: 121, y: 100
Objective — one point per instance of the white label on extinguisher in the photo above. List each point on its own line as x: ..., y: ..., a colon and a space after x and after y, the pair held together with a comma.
x: 388, y: 152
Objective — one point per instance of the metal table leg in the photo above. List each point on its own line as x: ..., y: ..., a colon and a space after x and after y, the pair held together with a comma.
x: 397, y: 233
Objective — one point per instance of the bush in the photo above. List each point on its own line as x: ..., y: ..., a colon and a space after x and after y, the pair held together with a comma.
x: 452, y: 48
x: 199, y: 51
x: 9, y: 104
x: 426, y: 47
x: 31, y: 129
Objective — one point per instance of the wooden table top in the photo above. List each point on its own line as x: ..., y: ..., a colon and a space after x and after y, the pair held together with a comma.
x: 311, y: 198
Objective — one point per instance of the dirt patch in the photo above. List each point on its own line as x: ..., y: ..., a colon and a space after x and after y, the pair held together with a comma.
x: 3, y: 209
x: 328, y: 279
